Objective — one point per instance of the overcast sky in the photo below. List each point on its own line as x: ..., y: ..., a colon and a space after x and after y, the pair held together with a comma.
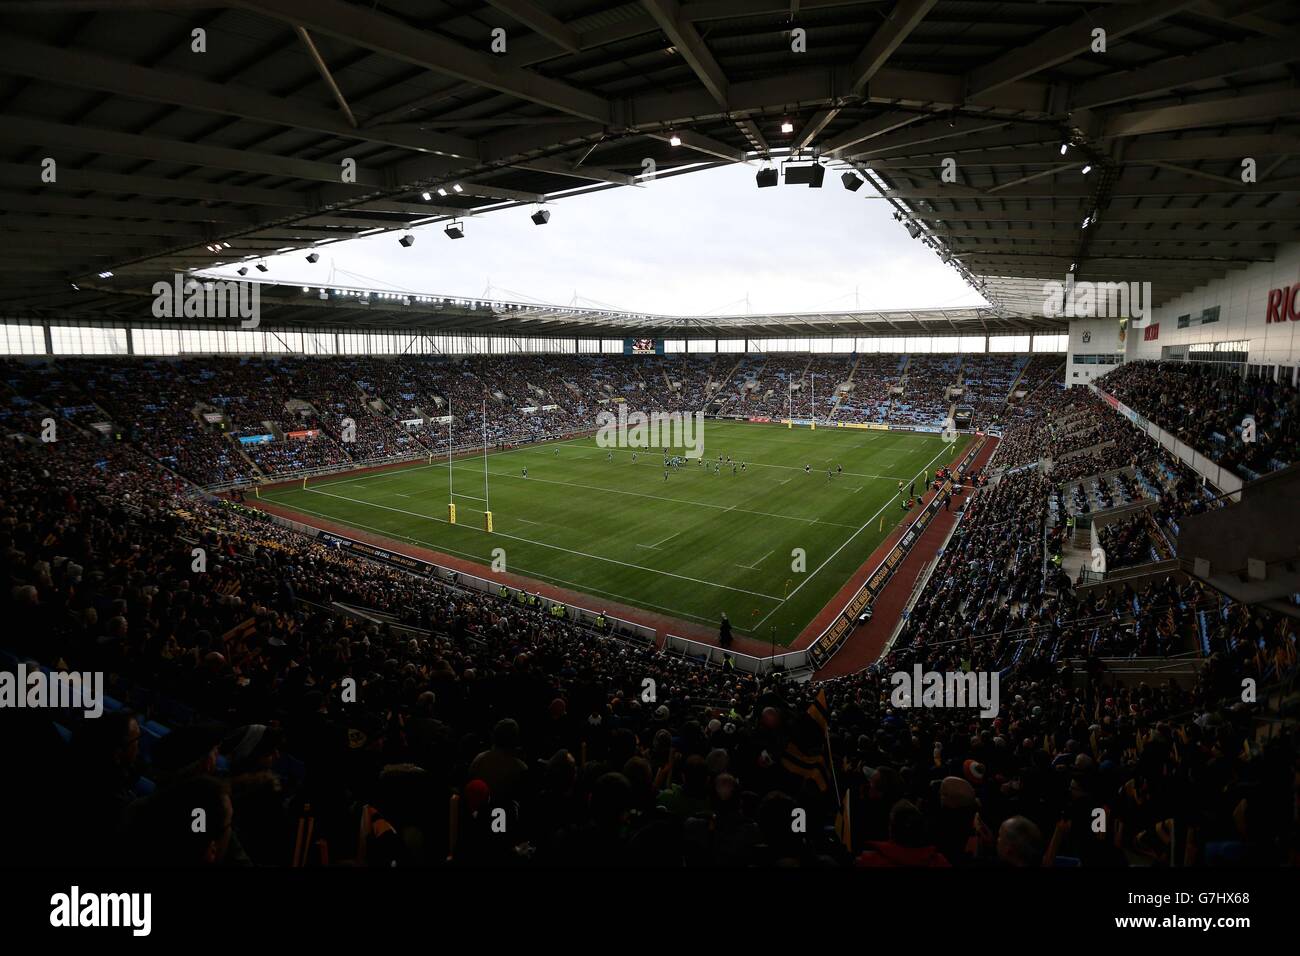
x: 692, y: 244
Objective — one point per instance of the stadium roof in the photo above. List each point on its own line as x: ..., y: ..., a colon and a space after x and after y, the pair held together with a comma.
x: 170, y: 159
x: 284, y: 305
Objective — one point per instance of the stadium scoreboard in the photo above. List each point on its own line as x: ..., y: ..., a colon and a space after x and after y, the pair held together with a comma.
x: 643, y: 347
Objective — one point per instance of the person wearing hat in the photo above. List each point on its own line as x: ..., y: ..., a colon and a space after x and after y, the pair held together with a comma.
x: 256, y: 793
x: 955, y: 820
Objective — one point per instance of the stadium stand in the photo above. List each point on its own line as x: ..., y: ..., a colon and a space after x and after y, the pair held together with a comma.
x: 225, y: 682
x: 1206, y: 406
x: 1002, y: 399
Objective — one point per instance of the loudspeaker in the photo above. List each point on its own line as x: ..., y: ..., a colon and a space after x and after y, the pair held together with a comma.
x: 810, y: 176
x: 541, y: 217
x: 766, y: 177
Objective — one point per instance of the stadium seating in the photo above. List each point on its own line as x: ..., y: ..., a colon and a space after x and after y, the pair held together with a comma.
x: 470, y: 703
x: 1206, y: 406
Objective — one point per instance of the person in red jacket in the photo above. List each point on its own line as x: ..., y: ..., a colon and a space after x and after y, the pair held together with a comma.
x: 906, y: 846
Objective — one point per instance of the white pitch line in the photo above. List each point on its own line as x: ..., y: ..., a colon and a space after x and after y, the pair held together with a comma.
x: 553, y: 547
x: 754, y: 566
x: 837, y: 551
x: 586, y: 588
x: 758, y: 464
x: 823, y: 564
x: 682, y: 501
x: 656, y: 545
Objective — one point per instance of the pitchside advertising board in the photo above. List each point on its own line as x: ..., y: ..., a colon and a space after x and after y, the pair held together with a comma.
x: 377, y: 554
x: 643, y: 347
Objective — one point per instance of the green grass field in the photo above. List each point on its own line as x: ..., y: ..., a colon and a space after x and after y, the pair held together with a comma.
x: 691, y: 547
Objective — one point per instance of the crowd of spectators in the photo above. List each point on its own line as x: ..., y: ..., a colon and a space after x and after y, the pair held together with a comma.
x: 869, y: 398
x: 1206, y: 406
x: 190, y: 413
x: 987, y: 382
x: 472, y: 709
x: 925, y: 400
x: 1132, y: 540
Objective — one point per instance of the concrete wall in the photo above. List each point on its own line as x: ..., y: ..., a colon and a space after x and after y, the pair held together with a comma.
x: 1091, y: 337
x: 1242, y: 298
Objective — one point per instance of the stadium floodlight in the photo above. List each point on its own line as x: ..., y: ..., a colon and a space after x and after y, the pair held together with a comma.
x: 407, y: 241
x: 426, y: 195
x: 787, y: 127
x: 226, y: 245
x: 674, y: 140
x: 1087, y: 169
x: 456, y: 188
x: 306, y: 288
x: 913, y: 229
x: 456, y: 230
x: 442, y: 191
x: 313, y: 257
x: 262, y: 267
x: 851, y: 182
x: 766, y: 177
x: 1064, y: 147
x: 541, y: 217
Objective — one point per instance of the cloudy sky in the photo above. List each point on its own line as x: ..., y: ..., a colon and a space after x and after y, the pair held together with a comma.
x: 694, y: 244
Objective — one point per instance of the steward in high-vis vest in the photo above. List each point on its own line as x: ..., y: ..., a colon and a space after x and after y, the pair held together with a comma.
x: 504, y: 591
x: 600, y: 622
